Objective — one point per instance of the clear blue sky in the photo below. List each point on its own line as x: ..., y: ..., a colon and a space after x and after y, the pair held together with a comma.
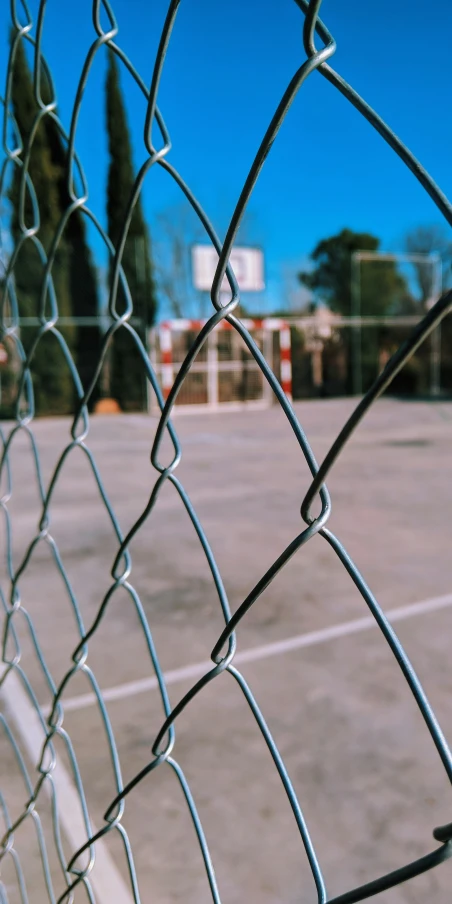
x: 226, y: 69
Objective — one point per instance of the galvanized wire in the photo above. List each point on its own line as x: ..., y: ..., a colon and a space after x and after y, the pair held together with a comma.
x: 39, y: 780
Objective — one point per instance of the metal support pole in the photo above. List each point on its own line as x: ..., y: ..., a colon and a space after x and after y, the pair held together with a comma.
x: 357, y: 382
x: 212, y: 370
x: 267, y: 348
x: 435, y: 342
x: 151, y: 349
x: 435, y: 363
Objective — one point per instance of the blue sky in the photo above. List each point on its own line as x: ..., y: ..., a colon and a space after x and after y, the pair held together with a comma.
x: 227, y: 67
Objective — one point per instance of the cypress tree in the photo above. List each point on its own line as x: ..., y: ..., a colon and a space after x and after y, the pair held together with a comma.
x: 127, y: 375
x: 83, y: 287
x: 53, y: 385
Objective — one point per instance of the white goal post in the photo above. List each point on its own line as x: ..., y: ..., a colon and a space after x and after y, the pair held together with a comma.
x: 224, y: 375
x: 432, y: 260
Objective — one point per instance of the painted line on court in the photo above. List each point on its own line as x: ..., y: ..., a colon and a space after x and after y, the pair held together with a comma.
x: 277, y: 648
x: 105, y: 878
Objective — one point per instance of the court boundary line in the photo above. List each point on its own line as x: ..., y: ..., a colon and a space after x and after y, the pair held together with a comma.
x: 105, y: 878
x: 255, y: 654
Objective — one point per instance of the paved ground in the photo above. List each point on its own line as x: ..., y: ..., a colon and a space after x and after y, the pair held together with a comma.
x: 367, y: 775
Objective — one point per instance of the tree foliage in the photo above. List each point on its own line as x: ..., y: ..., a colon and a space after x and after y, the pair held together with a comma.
x: 52, y: 382
x: 127, y: 375
x: 382, y: 289
x: 82, y: 277
x: 74, y: 274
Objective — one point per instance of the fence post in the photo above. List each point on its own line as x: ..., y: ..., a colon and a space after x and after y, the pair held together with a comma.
x: 286, y: 360
x: 166, y: 354
x: 435, y: 348
x: 212, y: 370
x: 357, y: 382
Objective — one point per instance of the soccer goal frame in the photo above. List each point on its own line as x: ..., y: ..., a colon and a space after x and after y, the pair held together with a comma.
x: 213, y: 368
x: 358, y: 257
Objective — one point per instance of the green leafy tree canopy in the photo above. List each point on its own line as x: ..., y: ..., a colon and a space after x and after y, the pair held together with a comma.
x: 382, y: 288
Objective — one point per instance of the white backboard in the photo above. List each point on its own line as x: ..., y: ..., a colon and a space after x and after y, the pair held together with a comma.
x: 247, y: 264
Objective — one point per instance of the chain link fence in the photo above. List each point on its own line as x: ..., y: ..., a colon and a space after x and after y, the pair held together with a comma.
x: 45, y: 732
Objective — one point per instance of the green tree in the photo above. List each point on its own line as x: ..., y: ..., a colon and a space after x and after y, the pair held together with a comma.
x: 127, y: 374
x: 83, y: 285
x: 52, y: 382
x: 382, y: 289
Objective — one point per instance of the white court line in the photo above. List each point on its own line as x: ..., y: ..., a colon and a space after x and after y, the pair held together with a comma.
x: 310, y: 639
x: 107, y: 882
x: 105, y: 878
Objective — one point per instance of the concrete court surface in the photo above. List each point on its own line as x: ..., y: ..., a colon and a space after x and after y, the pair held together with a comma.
x: 367, y: 775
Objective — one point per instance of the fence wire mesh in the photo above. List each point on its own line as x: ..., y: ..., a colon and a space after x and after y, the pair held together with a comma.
x: 39, y: 774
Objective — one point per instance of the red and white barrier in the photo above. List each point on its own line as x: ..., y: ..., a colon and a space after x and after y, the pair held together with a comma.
x: 272, y: 324
x: 286, y: 360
